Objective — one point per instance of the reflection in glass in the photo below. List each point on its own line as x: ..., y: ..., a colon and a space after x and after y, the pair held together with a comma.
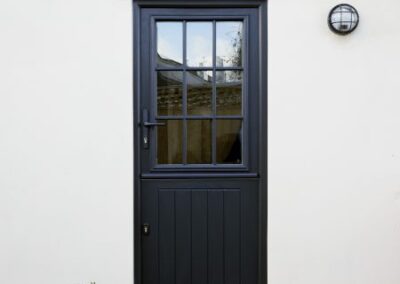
x: 199, y: 141
x: 169, y: 92
x: 199, y: 92
x: 229, y: 92
x: 169, y: 142
x: 229, y: 43
x: 199, y: 44
x: 229, y: 141
x: 169, y: 44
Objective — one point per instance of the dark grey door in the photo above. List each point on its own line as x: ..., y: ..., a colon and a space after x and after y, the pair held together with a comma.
x: 199, y: 146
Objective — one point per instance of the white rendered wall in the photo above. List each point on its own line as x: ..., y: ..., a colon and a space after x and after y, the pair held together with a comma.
x: 334, y: 145
x: 66, y: 143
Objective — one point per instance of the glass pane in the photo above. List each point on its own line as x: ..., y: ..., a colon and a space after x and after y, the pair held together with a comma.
x: 169, y: 142
x: 169, y: 92
x: 229, y: 43
x: 199, y: 44
x: 199, y: 141
x: 229, y: 141
x: 169, y: 44
x: 229, y: 92
x: 199, y: 92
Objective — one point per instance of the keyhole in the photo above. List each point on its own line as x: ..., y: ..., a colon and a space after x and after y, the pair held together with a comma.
x: 146, y: 229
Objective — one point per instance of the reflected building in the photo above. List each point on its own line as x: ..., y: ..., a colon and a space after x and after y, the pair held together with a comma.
x: 199, y: 90
x: 199, y: 97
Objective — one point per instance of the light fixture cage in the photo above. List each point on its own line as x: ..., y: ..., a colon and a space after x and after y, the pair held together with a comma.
x: 343, y: 19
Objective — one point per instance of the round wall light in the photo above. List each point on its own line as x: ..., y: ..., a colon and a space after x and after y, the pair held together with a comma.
x: 343, y: 19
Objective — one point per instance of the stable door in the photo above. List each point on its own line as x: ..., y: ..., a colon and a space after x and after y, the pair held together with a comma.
x: 199, y: 146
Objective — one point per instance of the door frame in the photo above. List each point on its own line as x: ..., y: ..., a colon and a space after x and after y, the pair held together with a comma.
x: 261, y: 5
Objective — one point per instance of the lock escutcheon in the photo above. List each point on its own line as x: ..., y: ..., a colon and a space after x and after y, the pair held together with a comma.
x: 146, y: 229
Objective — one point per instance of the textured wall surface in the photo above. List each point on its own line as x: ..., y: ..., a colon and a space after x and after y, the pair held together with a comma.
x: 66, y: 143
x: 334, y: 152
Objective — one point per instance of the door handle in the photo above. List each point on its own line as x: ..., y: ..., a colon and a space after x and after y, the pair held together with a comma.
x: 151, y: 124
x: 146, y: 124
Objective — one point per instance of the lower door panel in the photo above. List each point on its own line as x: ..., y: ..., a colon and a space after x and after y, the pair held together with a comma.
x: 200, y: 231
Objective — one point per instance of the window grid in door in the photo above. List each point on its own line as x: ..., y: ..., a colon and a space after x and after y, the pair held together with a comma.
x: 200, y: 97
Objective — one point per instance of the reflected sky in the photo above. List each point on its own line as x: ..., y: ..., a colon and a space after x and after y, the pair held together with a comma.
x: 170, y: 41
x: 200, y: 42
x: 229, y: 43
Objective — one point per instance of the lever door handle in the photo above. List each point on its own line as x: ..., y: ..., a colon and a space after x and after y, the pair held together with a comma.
x: 151, y: 124
x: 146, y: 124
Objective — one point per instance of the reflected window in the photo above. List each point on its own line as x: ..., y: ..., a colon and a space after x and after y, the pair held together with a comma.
x: 199, y: 141
x: 200, y: 97
x: 169, y: 44
x: 169, y: 92
x: 229, y: 92
x: 199, y: 92
x: 199, y: 44
x: 169, y: 142
x: 229, y: 43
x: 229, y: 141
